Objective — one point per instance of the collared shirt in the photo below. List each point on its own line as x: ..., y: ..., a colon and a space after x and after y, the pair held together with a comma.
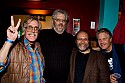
x: 36, y: 64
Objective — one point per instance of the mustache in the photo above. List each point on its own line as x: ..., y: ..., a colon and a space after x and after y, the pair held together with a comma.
x: 60, y: 24
x: 32, y: 34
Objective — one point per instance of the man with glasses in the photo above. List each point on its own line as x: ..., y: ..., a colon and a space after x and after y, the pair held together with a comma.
x: 22, y: 61
x: 56, y: 46
x: 87, y: 65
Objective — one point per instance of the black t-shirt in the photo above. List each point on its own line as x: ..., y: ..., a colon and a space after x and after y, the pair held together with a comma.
x: 80, y: 65
x: 110, y: 60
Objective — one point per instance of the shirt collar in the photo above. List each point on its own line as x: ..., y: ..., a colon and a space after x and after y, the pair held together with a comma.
x: 27, y: 43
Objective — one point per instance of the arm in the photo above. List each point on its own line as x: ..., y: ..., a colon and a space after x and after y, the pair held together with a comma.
x: 4, y: 51
x: 12, y: 33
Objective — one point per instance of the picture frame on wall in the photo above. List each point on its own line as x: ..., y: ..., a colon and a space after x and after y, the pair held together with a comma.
x: 76, y: 25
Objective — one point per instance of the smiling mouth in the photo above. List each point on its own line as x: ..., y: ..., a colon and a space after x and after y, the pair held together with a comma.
x: 32, y: 34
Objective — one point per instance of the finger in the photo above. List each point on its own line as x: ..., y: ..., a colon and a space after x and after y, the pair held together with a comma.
x: 11, y: 30
x: 18, y: 24
x: 12, y: 21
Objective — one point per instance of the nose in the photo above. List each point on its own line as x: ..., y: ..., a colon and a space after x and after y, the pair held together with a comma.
x: 100, y: 41
x: 33, y: 29
x: 61, y: 21
x: 82, y: 41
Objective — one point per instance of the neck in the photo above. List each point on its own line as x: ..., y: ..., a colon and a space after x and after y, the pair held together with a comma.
x: 85, y: 52
x: 109, y: 48
x: 58, y: 31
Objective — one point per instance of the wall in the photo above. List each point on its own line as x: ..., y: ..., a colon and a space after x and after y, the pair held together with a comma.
x: 108, y: 14
x: 86, y: 10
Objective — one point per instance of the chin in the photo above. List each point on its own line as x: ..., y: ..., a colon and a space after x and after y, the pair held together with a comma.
x: 82, y: 50
x: 32, y: 40
x: 103, y: 48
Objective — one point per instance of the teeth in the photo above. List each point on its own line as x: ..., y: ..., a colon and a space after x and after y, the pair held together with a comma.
x: 31, y: 34
x: 82, y: 45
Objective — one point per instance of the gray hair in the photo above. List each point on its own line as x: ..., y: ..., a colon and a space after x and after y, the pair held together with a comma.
x: 105, y: 30
x: 31, y: 18
x: 62, y: 12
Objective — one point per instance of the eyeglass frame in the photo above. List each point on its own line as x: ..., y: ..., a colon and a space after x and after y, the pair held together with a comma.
x: 31, y: 28
x: 60, y: 20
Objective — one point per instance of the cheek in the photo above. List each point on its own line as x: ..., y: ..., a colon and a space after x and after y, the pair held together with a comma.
x: 77, y: 42
x: 64, y: 25
x: 36, y: 35
x: 26, y: 34
x: 54, y: 23
x: 101, y: 41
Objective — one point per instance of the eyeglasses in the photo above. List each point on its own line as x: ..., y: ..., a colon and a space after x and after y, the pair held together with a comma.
x: 31, y: 28
x: 60, y: 20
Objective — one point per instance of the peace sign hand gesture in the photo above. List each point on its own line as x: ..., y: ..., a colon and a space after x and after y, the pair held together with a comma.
x: 12, y: 31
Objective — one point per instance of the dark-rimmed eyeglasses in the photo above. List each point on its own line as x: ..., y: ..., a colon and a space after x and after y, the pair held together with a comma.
x: 31, y: 28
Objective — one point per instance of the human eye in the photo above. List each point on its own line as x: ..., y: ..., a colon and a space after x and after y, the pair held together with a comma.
x: 85, y: 39
x: 30, y: 27
x: 82, y: 39
x: 105, y: 39
x: 57, y: 20
x: 79, y: 39
x: 36, y: 28
x: 64, y: 20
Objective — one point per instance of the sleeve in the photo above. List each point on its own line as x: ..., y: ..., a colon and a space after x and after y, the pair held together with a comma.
x: 3, y: 65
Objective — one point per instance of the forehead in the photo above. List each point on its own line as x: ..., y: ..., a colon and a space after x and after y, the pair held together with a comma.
x: 103, y: 34
x: 60, y: 15
x: 82, y: 34
x: 32, y: 22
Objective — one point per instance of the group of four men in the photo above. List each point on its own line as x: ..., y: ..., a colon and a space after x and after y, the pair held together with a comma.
x: 58, y: 60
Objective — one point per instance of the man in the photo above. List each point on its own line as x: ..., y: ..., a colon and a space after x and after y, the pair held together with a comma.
x: 56, y: 46
x: 115, y: 54
x: 87, y: 65
x: 24, y: 60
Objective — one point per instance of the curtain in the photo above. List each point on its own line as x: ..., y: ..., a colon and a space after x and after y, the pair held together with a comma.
x: 119, y: 31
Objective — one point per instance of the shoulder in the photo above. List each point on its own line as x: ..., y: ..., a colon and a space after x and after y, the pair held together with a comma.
x: 119, y: 48
x: 45, y: 31
x: 97, y: 53
x: 99, y: 57
x: 68, y: 34
x: 17, y: 45
x: 44, y: 34
x: 96, y: 48
x: 17, y: 49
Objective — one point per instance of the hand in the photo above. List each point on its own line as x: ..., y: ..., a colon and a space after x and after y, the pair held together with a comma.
x: 113, y: 79
x: 12, y: 32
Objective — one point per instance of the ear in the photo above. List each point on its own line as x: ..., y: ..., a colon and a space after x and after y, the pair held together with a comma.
x: 52, y: 23
x: 110, y: 39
